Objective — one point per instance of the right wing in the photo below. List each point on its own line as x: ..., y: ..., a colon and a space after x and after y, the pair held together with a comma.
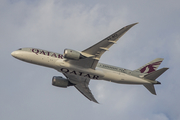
x: 81, y: 84
x: 84, y: 89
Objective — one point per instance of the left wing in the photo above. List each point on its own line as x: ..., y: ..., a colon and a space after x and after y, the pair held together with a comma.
x: 99, y: 48
x: 81, y: 84
x: 94, y: 52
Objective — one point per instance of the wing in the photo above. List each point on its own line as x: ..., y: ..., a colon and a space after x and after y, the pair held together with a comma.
x: 81, y: 84
x: 98, y: 49
x: 94, y: 52
x: 84, y: 89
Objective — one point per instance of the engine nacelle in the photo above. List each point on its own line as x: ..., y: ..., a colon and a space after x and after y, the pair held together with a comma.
x: 61, y: 82
x: 72, y: 54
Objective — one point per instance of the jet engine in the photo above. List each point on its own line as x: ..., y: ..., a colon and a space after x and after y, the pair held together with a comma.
x: 72, y: 54
x: 61, y: 82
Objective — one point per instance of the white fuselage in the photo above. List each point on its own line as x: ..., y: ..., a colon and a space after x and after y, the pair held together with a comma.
x: 56, y: 61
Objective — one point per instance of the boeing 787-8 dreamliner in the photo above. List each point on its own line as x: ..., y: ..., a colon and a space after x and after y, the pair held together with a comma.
x: 80, y: 67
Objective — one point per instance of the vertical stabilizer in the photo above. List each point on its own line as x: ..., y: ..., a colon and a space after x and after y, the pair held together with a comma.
x: 150, y: 67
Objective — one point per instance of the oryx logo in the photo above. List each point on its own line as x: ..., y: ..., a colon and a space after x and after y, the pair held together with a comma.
x: 151, y: 67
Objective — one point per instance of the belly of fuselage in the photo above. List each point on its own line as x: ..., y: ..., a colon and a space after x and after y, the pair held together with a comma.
x: 97, y: 74
x: 37, y: 59
x: 122, y: 78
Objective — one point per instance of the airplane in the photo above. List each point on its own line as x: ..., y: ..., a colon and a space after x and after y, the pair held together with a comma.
x: 79, y: 67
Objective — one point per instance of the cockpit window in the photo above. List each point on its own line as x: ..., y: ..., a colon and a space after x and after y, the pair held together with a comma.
x: 20, y: 49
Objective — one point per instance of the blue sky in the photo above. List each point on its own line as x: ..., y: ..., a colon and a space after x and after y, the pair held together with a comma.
x: 25, y: 89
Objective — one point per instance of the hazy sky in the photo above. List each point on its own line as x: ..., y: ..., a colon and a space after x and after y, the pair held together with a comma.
x: 26, y: 92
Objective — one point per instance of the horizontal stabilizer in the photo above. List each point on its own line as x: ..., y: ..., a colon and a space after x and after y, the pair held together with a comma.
x: 151, y: 88
x: 155, y: 74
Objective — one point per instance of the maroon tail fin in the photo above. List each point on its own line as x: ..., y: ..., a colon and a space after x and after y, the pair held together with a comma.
x: 151, y: 66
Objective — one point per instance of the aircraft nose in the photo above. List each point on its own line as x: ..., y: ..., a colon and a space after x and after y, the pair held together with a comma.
x: 14, y: 53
